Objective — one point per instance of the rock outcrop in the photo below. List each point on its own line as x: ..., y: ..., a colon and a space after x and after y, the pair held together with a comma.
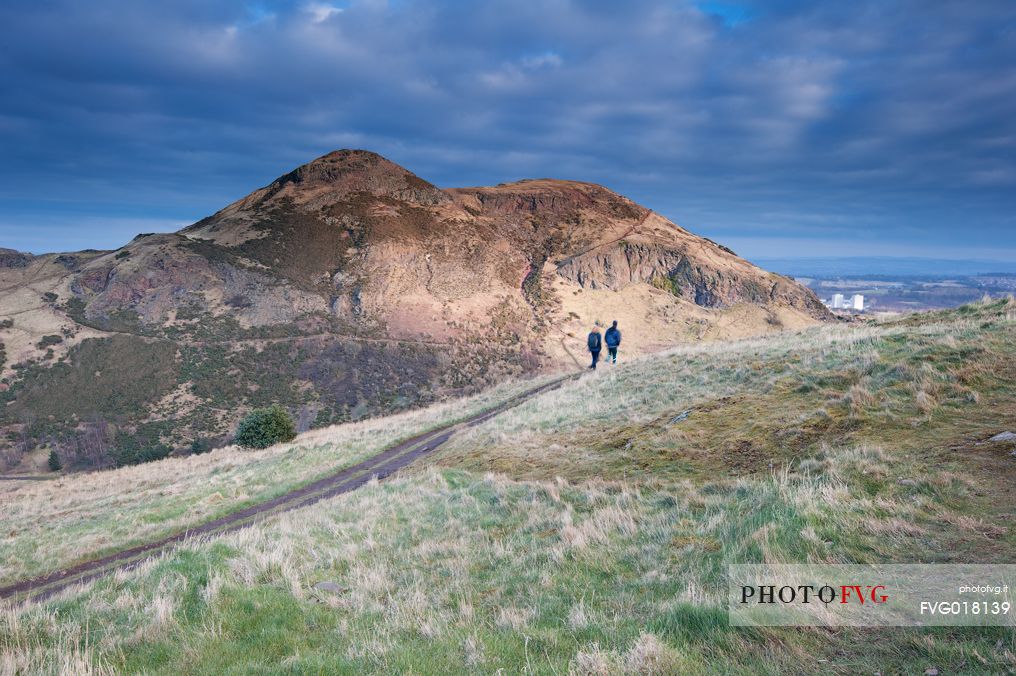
x: 9, y: 258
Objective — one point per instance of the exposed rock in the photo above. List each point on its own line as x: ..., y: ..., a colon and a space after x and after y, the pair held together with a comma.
x: 330, y: 587
x: 680, y: 417
x: 1004, y: 436
x: 720, y: 280
x: 68, y: 261
x: 9, y: 258
x: 335, y: 177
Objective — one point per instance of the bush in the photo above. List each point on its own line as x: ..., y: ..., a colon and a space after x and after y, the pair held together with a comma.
x: 264, y: 427
x: 48, y: 341
x: 54, y: 462
x: 200, y: 445
x: 133, y: 454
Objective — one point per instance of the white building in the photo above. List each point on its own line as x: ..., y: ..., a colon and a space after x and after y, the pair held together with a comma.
x: 857, y: 302
x: 838, y: 301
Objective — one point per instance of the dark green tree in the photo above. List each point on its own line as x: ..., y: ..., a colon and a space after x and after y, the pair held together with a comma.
x: 265, y: 426
x: 54, y: 462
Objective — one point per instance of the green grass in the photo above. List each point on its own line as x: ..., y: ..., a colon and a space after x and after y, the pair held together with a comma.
x: 453, y: 572
x: 50, y: 525
x: 584, y: 554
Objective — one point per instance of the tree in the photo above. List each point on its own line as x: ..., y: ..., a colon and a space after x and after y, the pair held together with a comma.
x: 27, y: 422
x: 265, y: 426
x: 54, y: 461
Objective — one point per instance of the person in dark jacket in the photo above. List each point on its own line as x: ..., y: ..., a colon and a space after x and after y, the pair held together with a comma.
x: 613, y: 340
x: 594, y: 344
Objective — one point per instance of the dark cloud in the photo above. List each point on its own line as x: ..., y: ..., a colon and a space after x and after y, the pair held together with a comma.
x: 775, y: 126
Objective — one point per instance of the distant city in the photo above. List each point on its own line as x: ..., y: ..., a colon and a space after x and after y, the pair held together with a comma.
x: 887, y: 285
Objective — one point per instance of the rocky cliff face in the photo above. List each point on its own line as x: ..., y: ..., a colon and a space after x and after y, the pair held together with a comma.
x: 720, y: 283
x: 351, y: 286
x: 9, y: 258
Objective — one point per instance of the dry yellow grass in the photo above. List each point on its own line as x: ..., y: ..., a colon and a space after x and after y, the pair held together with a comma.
x: 46, y: 525
x: 549, y: 431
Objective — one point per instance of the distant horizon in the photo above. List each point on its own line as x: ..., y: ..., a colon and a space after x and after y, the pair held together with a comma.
x: 830, y: 266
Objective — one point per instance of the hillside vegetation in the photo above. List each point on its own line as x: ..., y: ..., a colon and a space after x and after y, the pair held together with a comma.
x: 588, y: 531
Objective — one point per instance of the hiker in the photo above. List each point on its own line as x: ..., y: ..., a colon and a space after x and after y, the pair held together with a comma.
x: 594, y: 344
x: 613, y: 339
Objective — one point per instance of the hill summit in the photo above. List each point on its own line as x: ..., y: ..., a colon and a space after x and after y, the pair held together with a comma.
x: 350, y: 286
x: 376, y: 244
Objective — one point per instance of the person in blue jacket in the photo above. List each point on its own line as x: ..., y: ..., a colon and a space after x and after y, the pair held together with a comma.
x: 613, y: 339
x: 594, y: 344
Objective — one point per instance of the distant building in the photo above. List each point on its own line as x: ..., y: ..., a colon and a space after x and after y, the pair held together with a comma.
x: 841, y: 302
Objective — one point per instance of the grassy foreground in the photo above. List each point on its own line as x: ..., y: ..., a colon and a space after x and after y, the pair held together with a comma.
x: 599, y: 542
x: 49, y: 525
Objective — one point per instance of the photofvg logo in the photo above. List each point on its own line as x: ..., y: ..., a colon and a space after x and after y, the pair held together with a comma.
x: 809, y: 593
x: 872, y: 595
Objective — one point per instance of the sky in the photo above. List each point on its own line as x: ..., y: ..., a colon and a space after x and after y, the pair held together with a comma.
x: 781, y: 129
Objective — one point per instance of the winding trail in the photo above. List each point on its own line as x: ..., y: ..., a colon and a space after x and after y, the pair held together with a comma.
x: 627, y: 233
x: 380, y: 466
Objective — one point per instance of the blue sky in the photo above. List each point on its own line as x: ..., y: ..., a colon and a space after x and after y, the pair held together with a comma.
x: 780, y: 128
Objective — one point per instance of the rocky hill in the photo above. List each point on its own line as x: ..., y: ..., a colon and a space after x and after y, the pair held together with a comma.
x: 346, y: 288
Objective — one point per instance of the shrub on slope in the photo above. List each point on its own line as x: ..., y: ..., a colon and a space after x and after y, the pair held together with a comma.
x: 265, y: 427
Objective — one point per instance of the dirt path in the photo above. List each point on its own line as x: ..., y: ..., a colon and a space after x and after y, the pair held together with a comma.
x: 381, y: 465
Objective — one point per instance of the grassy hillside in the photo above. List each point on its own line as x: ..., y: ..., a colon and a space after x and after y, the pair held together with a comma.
x: 589, y: 530
x: 733, y: 408
x: 49, y: 525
